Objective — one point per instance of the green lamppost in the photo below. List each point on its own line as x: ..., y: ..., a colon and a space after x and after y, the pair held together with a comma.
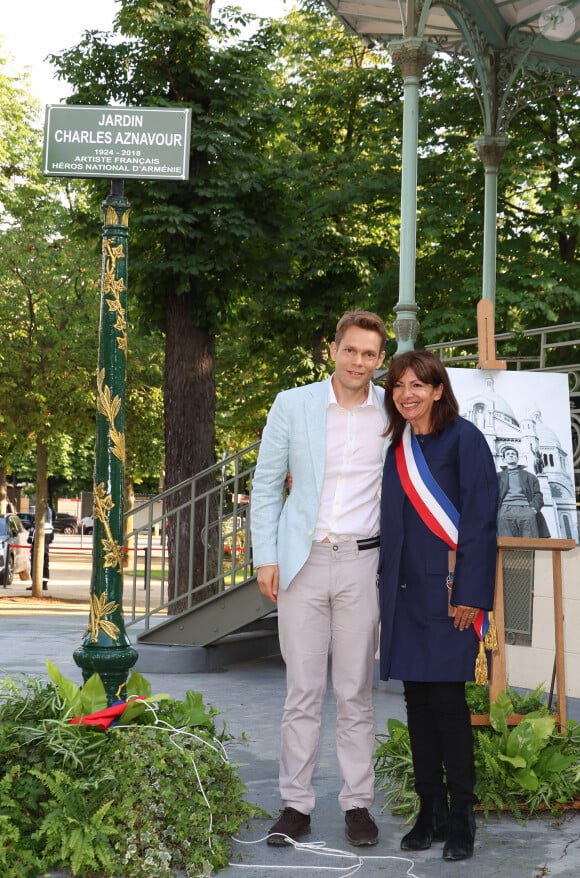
x: 118, y: 143
x: 106, y: 649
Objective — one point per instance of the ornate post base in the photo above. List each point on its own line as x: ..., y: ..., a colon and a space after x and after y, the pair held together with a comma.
x: 112, y: 666
x: 406, y: 326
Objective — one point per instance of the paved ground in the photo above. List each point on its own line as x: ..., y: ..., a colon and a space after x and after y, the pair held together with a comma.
x: 251, y: 697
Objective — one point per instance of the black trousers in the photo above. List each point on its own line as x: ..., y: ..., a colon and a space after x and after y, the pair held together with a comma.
x: 441, y: 739
x: 45, y: 571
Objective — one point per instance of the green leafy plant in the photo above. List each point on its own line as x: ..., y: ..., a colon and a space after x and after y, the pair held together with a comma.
x: 527, y: 766
x: 478, y: 699
x: 77, y: 828
x: 394, y: 769
x: 150, y: 795
x: 522, y: 768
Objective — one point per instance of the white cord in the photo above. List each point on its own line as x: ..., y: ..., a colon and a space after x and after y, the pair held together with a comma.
x: 319, y: 848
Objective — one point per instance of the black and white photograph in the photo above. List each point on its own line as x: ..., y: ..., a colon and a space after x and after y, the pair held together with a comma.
x: 525, y: 417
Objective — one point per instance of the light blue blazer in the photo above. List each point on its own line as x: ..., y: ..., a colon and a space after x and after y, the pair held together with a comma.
x: 293, y: 441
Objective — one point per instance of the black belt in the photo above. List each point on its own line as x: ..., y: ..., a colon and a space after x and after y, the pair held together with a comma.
x: 369, y: 542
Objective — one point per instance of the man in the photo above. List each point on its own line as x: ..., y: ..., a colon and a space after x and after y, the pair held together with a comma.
x: 316, y: 552
x: 520, y: 500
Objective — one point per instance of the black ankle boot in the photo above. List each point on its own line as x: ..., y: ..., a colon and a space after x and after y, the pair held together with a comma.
x: 431, y: 824
x: 461, y: 832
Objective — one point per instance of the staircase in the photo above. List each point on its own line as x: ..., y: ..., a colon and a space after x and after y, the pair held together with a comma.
x: 218, y: 595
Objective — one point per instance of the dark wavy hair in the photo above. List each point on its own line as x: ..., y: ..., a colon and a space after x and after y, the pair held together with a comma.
x: 429, y: 369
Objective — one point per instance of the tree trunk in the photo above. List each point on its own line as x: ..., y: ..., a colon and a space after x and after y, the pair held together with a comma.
x: 319, y: 346
x: 189, y: 438
x: 41, y: 504
x: 3, y: 491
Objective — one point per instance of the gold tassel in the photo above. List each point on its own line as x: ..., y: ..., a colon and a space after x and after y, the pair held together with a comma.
x: 491, y: 636
x: 481, y: 666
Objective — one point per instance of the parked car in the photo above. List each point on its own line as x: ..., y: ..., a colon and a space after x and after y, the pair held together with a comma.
x: 27, y: 519
x: 63, y: 523
x: 14, y: 549
x: 86, y: 525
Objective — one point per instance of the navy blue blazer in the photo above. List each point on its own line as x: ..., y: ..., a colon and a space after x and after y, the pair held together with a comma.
x: 418, y: 640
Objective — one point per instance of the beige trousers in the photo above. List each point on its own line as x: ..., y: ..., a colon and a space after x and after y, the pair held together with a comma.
x: 330, y: 609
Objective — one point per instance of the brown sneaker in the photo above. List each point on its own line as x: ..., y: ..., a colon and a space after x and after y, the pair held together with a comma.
x: 291, y: 824
x: 360, y: 827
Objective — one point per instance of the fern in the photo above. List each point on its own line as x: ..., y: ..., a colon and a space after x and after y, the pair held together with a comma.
x: 76, y: 829
x: 490, y: 787
x: 17, y: 859
x: 394, y: 770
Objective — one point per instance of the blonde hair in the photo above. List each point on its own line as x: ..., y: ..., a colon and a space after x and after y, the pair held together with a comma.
x: 362, y: 319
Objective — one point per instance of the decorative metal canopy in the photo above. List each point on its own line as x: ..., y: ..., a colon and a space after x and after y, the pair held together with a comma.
x: 514, y: 53
x: 499, y: 43
x: 547, y: 34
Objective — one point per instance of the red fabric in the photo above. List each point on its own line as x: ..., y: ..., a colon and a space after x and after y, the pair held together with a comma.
x: 104, y: 718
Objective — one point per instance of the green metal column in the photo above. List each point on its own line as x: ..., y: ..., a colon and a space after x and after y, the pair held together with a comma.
x: 490, y: 150
x: 106, y: 649
x: 411, y: 55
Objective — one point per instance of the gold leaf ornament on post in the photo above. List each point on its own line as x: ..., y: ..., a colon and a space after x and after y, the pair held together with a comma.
x: 109, y: 407
x: 100, y: 608
x: 103, y: 503
x: 113, y: 287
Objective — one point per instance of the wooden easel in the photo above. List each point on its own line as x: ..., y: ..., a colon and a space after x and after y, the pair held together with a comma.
x: 486, y: 337
x: 498, y: 682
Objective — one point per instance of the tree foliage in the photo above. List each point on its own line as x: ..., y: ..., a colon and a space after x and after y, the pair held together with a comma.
x: 189, y: 239
x: 49, y: 320
x: 538, y: 272
x: 334, y: 172
x: 291, y: 212
x: 49, y: 308
x: 19, y: 140
x: 337, y: 161
x: 44, y: 307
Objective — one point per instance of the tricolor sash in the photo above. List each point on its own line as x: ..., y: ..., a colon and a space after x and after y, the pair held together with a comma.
x: 438, y: 513
x: 428, y: 498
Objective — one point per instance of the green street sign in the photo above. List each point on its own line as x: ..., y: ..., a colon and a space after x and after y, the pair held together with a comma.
x: 146, y: 143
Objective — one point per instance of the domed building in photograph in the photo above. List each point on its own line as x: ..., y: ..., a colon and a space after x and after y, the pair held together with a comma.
x: 540, y: 450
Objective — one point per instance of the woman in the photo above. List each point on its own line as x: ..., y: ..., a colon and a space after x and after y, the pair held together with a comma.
x: 439, y: 493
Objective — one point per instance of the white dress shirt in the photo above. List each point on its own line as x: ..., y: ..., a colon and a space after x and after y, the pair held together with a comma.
x: 350, y: 500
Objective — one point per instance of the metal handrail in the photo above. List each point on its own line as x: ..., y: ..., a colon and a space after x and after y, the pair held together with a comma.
x: 226, y: 540
x: 547, y: 344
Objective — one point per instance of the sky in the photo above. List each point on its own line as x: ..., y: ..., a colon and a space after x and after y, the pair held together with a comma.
x: 32, y: 30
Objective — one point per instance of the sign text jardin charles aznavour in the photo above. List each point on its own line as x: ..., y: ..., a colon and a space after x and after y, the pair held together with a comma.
x: 148, y: 143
